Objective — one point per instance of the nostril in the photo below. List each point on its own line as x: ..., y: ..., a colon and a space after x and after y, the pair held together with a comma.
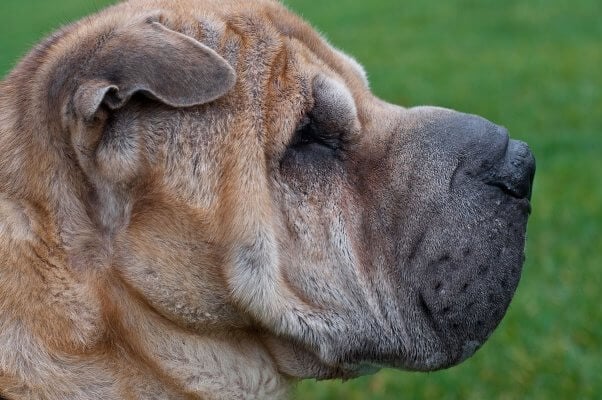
x: 514, y: 175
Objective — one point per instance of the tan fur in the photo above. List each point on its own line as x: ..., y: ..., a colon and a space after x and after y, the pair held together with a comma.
x: 156, y: 248
x: 72, y: 327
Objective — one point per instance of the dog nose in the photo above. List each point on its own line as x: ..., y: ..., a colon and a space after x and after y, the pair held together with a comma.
x: 514, y: 173
x: 482, y: 150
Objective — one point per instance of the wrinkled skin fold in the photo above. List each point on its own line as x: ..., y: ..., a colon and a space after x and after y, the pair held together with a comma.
x: 203, y: 199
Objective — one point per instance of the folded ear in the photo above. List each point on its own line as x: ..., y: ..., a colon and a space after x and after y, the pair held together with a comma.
x: 151, y: 59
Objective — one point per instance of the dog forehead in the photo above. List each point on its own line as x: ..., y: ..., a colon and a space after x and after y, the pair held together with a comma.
x: 265, y: 24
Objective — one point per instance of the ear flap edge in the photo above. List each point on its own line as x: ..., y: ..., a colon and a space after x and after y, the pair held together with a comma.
x: 166, y: 65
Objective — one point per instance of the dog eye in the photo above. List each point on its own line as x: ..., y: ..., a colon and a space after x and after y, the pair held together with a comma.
x: 309, y: 135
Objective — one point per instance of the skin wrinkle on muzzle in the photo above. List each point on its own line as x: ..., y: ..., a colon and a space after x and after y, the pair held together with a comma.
x: 219, y: 206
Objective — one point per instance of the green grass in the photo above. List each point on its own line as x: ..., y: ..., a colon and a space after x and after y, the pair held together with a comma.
x: 533, y: 66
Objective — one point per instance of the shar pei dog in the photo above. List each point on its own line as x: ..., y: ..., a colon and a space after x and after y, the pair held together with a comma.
x: 202, y: 199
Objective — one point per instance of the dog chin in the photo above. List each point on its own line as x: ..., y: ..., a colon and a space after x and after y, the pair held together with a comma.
x: 296, y: 361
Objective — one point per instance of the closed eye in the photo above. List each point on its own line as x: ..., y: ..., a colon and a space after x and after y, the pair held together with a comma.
x: 308, y: 134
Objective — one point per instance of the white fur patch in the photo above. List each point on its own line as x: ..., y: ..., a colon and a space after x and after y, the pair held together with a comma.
x: 14, y: 223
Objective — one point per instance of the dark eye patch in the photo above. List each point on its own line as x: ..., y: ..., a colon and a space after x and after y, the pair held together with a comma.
x: 310, y: 134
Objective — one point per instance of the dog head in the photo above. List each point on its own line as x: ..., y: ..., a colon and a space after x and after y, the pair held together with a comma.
x: 235, y: 171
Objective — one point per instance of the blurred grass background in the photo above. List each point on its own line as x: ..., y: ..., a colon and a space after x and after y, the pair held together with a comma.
x: 534, y: 66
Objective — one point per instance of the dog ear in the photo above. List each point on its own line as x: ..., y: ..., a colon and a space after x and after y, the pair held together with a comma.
x: 153, y: 60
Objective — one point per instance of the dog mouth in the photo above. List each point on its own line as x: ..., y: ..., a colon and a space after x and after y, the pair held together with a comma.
x: 463, y: 292
x: 447, y: 300
x: 452, y: 354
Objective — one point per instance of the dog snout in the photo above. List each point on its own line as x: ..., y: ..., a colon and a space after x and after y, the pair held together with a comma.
x: 482, y: 150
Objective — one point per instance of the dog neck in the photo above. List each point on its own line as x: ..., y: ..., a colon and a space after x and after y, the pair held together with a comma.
x: 72, y: 333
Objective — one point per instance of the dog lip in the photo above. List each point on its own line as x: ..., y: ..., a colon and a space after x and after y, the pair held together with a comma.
x: 468, y: 349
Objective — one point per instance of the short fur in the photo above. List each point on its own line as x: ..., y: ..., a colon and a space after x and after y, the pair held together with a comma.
x: 168, y: 229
